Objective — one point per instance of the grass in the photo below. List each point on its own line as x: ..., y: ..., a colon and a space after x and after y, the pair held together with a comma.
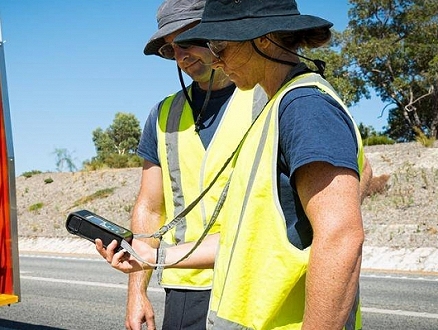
x: 103, y: 193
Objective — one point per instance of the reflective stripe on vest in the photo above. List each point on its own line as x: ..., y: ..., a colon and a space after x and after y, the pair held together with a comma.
x: 188, y: 168
x: 259, y: 278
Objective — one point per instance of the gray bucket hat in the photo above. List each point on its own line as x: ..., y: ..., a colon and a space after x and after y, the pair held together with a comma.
x: 173, y: 15
x: 240, y: 20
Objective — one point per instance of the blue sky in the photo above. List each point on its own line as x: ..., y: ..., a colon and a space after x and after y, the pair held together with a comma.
x: 72, y: 65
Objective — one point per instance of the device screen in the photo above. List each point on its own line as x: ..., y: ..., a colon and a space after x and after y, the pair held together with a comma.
x: 106, y: 224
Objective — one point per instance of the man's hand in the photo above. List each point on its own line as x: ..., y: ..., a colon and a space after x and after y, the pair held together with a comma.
x: 123, y: 261
x: 139, y: 309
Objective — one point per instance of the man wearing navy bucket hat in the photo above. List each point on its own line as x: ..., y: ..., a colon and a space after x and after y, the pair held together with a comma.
x: 278, y: 265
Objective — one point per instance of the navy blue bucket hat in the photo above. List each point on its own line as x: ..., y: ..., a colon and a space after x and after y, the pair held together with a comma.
x: 173, y: 15
x: 240, y: 20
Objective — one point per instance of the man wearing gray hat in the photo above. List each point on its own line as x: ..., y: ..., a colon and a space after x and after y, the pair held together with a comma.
x: 177, y: 148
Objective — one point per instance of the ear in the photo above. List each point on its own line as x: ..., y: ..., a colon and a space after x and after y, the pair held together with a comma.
x: 262, y: 42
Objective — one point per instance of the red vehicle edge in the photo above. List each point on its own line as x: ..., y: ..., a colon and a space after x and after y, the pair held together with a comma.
x: 9, y: 263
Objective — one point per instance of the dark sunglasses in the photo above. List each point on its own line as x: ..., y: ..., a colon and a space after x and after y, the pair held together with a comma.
x: 168, y: 50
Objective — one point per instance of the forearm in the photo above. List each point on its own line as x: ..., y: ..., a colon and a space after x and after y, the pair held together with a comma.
x: 147, y: 217
x: 331, y: 199
x: 137, y: 286
x: 202, y: 257
x: 143, y: 221
x: 138, y: 282
x: 148, y: 214
x: 139, y: 309
x: 332, y: 280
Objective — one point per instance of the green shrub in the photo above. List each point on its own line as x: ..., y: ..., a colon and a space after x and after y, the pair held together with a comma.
x: 135, y: 161
x: 377, y: 140
x: 94, y: 165
x: 113, y: 161
x: 28, y: 174
x: 48, y: 180
x: 36, y: 207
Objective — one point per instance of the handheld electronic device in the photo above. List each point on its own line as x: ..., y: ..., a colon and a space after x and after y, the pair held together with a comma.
x: 90, y: 226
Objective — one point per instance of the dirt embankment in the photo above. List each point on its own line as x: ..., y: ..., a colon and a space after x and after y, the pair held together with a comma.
x: 402, y: 219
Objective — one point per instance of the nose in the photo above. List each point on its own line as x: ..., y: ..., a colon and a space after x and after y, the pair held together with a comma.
x: 180, y: 53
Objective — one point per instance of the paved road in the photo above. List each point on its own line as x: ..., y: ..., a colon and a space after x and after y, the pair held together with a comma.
x: 85, y: 293
x: 70, y: 293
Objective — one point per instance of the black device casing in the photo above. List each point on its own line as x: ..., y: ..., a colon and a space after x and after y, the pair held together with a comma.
x: 90, y: 226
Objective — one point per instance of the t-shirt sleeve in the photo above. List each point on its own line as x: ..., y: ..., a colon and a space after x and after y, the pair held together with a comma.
x: 314, y: 127
x: 148, y: 146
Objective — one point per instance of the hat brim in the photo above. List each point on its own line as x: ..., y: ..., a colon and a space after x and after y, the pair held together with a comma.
x: 157, y: 40
x: 251, y: 28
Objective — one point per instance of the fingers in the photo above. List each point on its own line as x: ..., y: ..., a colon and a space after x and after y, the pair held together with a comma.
x: 100, y: 248
x: 108, y: 252
x: 121, y: 260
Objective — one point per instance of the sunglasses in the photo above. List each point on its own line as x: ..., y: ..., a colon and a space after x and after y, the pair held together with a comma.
x: 217, y: 47
x: 168, y: 50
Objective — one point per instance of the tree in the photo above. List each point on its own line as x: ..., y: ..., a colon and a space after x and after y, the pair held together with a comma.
x: 371, y: 137
x: 366, y: 131
x: 347, y: 83
x: 116, y: 146
x: 64, y: 159
x: 394, y: 47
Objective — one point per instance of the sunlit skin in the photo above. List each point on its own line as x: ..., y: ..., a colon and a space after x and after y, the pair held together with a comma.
x: 196, y: 62
x: 238, y: 69
x: 239, y: 60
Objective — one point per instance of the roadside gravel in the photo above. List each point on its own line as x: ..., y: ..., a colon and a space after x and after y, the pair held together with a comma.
x: 401, y: 223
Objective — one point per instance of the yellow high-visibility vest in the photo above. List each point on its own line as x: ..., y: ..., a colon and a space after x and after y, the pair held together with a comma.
x: 188, y: 168
x: 259, y: 277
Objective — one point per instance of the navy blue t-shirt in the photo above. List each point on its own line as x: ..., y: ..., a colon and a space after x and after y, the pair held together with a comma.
x: 210, y: 119
x: 313, y: 128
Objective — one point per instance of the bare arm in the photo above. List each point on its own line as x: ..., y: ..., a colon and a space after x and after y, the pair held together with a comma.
x: 147, y: 217
x: 203, y: 256
x: 331, y: 199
